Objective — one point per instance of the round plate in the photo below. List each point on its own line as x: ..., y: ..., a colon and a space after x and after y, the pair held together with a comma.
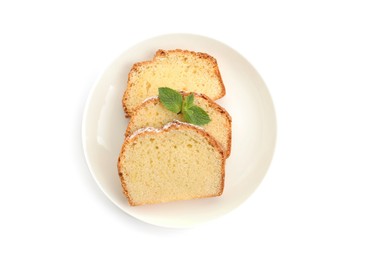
x: 253, y: 131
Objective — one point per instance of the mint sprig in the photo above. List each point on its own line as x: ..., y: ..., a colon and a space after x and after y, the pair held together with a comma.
x: 175, y: 102
x: 171, y: 99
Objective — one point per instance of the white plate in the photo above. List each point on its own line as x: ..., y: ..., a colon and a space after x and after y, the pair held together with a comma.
x: 253, y: 138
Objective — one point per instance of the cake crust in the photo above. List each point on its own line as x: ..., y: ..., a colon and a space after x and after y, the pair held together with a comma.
x: 175, y: 125
x: 155, y: 101
x: 160, y: 54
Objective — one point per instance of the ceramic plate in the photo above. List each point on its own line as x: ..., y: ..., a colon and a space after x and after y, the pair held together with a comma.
x: 253, y: 138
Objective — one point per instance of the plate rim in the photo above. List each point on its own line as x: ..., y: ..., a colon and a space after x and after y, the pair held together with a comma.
x: 93, y: 89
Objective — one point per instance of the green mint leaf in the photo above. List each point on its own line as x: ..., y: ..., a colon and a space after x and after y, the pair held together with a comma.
x: 171, y: 99
x: 188, y: 102
x: 187, y: 114
x: 174, y: 101
x: 196, y: 115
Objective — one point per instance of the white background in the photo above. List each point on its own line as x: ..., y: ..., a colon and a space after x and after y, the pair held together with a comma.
x: 315, y: 59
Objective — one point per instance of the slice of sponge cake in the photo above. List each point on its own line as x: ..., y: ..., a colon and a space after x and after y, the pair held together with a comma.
x: 152, y: 113
x: 177, y: 162
x: 178, y: 69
